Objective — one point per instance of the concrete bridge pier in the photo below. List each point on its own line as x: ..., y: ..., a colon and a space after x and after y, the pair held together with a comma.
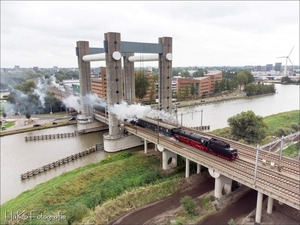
x: 187, y: 168
x: 258, y: 207
x: 198, y: 168
x: 222, y: 184
x: 145, y: 146
x: 270, y: 205
x: 169, y: 159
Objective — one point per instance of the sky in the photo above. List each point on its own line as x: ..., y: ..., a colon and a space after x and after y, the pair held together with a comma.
x: 204, y: 33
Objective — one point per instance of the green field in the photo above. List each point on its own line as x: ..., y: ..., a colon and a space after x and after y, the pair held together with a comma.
x: 284, y: 120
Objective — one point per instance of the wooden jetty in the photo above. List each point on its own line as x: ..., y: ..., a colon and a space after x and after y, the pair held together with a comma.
x: 62, y: 161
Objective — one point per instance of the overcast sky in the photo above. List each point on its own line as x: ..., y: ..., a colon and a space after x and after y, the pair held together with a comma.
x: 215, y: 33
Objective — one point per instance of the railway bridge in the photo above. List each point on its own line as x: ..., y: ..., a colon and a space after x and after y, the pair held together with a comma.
x: 266, y: 172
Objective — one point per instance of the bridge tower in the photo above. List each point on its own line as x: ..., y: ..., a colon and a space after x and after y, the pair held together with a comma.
x: 85, y: 120
x: 165, y: 75
x: 114, y: 49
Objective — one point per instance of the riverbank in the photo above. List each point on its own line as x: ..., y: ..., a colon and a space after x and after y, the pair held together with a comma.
x: 21, y: 124
x: 75, y: 194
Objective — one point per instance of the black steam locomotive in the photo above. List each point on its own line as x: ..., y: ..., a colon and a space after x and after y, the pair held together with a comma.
x: 207, y: 144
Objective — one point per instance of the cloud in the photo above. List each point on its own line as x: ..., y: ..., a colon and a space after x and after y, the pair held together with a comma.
x: 204, y: 33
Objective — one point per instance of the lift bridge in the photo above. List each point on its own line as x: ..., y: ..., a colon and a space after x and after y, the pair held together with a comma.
x: 255, y: 168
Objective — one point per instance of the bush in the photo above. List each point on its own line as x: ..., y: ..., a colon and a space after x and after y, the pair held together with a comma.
x: 188, y: 204
x: 282, y: 131
x: 295, y: 127
x: 231, y: 222
x: 77, y: 212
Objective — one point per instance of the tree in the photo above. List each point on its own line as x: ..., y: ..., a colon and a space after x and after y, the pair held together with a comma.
x: 179, y: 94
x: 188, y: 204
x: 26, y: 87
x: 141, y: 85
x: 193, y: 89
x: 248, y: 126
x: 217, y: 87
x: 186, y: 91
x: 242, y: 79
x: 223, y: 85
x: 250, y: 77
x: 229, y: 85
x: 152, y: 92
x: 251, y: 89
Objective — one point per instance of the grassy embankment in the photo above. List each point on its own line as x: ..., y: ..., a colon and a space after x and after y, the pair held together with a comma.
x: 112, y: 186
x: 282, y: 122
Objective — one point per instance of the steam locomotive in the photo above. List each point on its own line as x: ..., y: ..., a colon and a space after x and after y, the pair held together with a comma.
x: 204, y: 143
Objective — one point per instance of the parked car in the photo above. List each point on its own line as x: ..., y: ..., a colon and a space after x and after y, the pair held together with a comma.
x: 72, y: 118
x: 54, y: 123
x: 36, y: 125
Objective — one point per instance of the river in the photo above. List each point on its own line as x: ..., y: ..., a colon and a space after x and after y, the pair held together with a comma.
x: 216, y: 115
x: 18, y: 156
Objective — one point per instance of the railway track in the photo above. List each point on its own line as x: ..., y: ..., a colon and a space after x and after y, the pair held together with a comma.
x: 287, y: 165
x: 270, y: 182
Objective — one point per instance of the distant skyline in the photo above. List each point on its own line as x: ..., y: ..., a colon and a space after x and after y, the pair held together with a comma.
x: 205, y: 33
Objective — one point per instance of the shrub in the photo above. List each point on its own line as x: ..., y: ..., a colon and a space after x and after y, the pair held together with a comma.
x: 77, y: 212
x: 295, y: 127
x: 231, y: 222
x: 188, y: 204
x: 282, y: 131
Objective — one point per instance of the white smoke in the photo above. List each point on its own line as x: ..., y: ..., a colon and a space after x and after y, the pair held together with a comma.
x: 136, y: 111
x: 72, y: 102
x: 41, y: 91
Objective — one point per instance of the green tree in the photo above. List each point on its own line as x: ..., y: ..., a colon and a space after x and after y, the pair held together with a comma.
x: 193, y: 89
x: 185, y: 73
x: 188, y: 204
x: 242, y: 79
x: 229, y: 85
x: 141, y: 85
x: 251, y: 89
x: 248, y: 126
x: 217, y: 87
x: 152, y: 92
x: 250, y: 77
x: 186, y: 91
x: 223, y: 85
x: 26, y: 87
x: 179, y: 94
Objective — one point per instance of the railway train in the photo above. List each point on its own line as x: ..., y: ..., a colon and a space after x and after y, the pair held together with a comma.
x: 204, y: 143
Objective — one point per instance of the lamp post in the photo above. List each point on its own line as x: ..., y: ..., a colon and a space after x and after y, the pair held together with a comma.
x: 201, y: 117
x: 281, y: 147
x: 158, y: 131
x: 256, y: 164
